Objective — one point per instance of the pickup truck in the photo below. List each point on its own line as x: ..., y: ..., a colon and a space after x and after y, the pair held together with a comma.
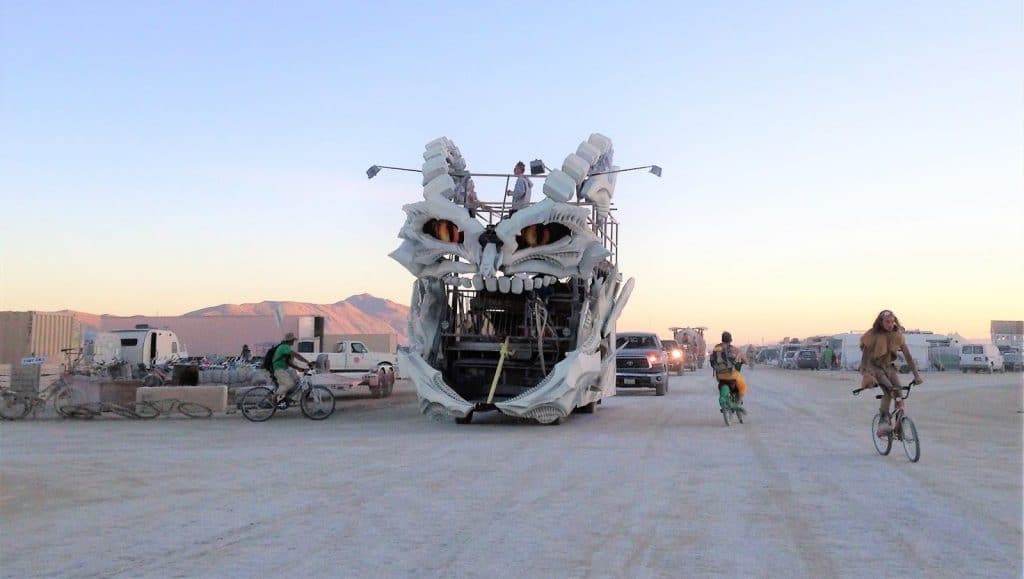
x: 352, y: 356
x: 351, y: 363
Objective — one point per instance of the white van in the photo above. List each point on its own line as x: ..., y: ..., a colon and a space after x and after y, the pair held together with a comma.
x: 981, y: 358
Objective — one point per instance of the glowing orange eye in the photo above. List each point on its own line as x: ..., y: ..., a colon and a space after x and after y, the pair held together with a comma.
x: 541, y: 234
x: 443, y: 230
x: 532, y: 235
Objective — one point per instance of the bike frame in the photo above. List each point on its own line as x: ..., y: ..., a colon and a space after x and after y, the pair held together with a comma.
x: 302, y: 385
x: 898, y: 412
x: 899, y: 407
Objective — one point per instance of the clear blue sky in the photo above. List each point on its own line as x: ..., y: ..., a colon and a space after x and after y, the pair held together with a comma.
x: 152, y: 151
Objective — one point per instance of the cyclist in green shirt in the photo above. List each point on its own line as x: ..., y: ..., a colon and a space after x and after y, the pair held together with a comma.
x: 284, y: 359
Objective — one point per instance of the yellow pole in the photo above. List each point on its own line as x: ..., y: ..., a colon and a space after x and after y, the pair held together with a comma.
x: 497, y: 373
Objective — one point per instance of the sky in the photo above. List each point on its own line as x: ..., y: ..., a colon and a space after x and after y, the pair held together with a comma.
x: 822, y: 160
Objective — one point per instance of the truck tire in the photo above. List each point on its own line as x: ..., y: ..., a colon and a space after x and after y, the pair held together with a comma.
x: 389, y: 386
x: 382, y: 377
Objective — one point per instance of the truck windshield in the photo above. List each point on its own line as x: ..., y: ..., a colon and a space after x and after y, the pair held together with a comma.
x: 635, y: 342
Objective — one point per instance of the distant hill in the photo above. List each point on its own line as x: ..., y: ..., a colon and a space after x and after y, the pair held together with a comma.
x: 358, y: 314
x: 221, y: 329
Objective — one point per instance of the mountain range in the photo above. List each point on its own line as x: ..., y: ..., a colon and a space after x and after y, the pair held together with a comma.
x: 223, y: 328
x: 358, y: 314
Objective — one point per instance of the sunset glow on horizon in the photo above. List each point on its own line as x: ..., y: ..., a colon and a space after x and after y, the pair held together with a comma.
x: 821, y: 163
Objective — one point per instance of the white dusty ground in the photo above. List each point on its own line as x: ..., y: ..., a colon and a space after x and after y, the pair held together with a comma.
x: 646, y: 487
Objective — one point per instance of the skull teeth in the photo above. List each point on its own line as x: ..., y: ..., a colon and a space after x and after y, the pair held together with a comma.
x: 516, y: 284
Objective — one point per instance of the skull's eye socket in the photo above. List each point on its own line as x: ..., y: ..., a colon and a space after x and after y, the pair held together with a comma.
x: 541, y: 234
x: 443, y: 230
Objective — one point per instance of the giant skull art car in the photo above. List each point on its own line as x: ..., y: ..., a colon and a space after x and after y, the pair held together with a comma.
x: 514, y: 313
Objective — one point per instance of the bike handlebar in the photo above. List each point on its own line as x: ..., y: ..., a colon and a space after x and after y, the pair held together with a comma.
x: 857, y: 391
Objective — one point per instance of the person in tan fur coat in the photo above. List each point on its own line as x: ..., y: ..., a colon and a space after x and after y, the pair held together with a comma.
x: 878, y: 348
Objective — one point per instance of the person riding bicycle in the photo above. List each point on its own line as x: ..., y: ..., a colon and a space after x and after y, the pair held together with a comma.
x: 283, y: 361
x: 726, y: 361
x: 878, y: 352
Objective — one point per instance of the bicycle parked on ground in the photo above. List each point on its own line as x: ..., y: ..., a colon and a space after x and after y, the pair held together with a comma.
x: 316, y: 402
x: 15, y: 405
x: 903, y: 428
x: 134, y: 410
x: 191, y: 409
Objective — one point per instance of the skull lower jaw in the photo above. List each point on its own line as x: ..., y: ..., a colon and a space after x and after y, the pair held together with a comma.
x: 539, y: 379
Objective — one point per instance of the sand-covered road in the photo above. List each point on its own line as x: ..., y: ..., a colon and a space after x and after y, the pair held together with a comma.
x: 646, y: 487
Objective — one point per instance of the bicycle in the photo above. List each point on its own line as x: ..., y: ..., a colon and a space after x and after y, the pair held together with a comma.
x: 903, y: 428
x: 191, y: 409
x: 157, y: 375
x: 729, y: 399
x: 16, y: 405
x: 133, y: 410
x: 316, y: 402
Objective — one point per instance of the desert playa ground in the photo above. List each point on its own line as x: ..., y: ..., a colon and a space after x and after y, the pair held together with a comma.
x: 646, y: 487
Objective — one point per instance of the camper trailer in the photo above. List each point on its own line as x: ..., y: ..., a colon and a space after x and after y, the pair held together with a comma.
x: 149, y: 346
x: 101, y: 347
x: 919, y: 342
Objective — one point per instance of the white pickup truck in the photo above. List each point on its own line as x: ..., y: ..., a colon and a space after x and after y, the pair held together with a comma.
x: 351, y: 356
x: 351, y: 363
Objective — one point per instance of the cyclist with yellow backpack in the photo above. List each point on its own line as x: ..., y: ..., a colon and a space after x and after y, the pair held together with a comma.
x: 726, y: 361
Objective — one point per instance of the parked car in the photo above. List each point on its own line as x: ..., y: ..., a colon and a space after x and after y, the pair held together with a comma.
x: 807, y: 359
x: 789, y: 359
x: 981, y: 358
x: 674, y: 355
x: 640, y: 362
x: 1012, y: 358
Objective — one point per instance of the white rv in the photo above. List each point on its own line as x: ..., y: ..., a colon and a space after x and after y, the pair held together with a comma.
x: 148, y: 346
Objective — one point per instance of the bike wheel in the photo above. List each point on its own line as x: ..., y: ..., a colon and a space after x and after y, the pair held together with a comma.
x: 64, y: 401
x: 883, y: 444
x: 14, y: 406
x: 258, y: 404
x: 911, y: 444
x: 317, y: 403
x: 723, y: 401
x: 122, y: 411
x: 164, y: 405
x: 737, y: 409
x: 144, y: 410
x: 79, y: 411
x: 194, y: 410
